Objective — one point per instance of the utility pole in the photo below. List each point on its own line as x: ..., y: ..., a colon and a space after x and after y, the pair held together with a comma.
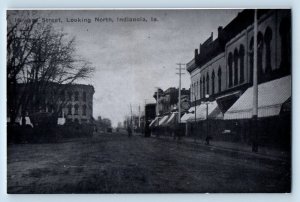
x: 157, y: 103
x: 179, y: 89
x: 130, y: 115
x: 139, y: 116
x: 255, y: 88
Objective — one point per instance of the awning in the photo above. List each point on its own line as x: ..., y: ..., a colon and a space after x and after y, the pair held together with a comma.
x: 271, y: 96
x: 163, y: 120
x: 172, y: 119
x: 188, y: 115
x: 214, y: 112
x: 154, y: 122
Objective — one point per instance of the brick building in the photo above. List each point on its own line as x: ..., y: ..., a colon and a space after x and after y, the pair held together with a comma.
x: 73, y: 102
x: 222, y: 70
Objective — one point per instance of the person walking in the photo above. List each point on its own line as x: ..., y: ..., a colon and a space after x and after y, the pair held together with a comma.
x: 129, y: 131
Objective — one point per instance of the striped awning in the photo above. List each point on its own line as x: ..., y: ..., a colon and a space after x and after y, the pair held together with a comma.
x: 163, y: 120
x: 271, y: 96
x: 172, y: 119
x: 211, y: 109
x: 153, y: 122
x: 188, y: 115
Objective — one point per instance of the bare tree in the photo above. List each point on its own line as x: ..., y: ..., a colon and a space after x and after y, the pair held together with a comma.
x: 39, y: 60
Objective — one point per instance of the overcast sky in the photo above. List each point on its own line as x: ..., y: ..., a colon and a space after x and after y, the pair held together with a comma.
x: 132, y: 58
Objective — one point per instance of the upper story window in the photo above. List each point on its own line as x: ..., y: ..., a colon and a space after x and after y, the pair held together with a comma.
x: 84, y: 110
x: 285, y: 39
x: 204, y: 86
x: 235, y: 63
x: 69, y: 109
x: 268, y: 38
x: 76, y: 96
x: 84, y: 96
x: 207, y: 83
x: 69, y: 96
x: 76, y: 107
x: 242, y: 54
x: 200, y: 88
x: 213, y: 82
x: 219, y: 79
x: 62, y: 95
x: 229, y: 61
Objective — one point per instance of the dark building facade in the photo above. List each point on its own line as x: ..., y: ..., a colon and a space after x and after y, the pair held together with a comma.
x: 72, y: 102
x: 222, y: 74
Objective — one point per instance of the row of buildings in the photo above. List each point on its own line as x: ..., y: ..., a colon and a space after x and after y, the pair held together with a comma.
x: 70, y: 103
x: 221, y: 72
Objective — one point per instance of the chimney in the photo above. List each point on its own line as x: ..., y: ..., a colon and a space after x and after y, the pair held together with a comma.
x: 196, y: 53
x: 220, y: 29
x: 211, y: 35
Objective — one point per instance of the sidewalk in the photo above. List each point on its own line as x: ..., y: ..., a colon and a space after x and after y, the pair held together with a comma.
x: 236, y: 147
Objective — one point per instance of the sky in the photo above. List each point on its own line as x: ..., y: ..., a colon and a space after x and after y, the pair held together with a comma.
x: 131, y: 59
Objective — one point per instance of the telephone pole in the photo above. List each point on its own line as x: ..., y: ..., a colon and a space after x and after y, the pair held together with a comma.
x: 255, y: 89
x: 139, y: 116
x: 179, y: 89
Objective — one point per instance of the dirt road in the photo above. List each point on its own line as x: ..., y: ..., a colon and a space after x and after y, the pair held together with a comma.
x: 114, y: 163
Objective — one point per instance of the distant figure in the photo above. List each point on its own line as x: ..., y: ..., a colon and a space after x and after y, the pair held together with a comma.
x: 207, y: 139
x: 129, y: 131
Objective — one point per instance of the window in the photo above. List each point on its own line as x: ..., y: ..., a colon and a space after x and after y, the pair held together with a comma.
x: 70, y: 109
x: 203, y: 86
x: 62, y: 95
x: 84, y: 96
x: 207, y: 83
x: 260, y: 49
x: 251, y: 59
x: 268, y: 38
x: 70, y: 96
x: 230, y: 68
x: 285, y: 39
x: 197, y: 90
x: 213, y: 82
x: 235, y: 61
x: 242, y: 54
x: 76, y: 96
x: 219, y: 79
x: 76, y: 109
x: 84, y: 110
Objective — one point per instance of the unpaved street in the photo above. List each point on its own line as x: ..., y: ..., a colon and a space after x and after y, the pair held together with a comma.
x: 114, y: 163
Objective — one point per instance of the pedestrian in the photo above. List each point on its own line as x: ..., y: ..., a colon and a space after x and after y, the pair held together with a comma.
x: 129, y: 131
x: 207, y: 139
